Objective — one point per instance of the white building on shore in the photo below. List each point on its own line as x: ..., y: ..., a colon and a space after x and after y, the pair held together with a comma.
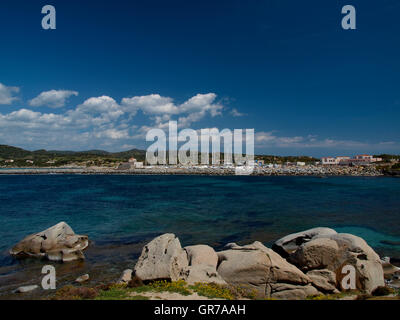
x: 345, y: 160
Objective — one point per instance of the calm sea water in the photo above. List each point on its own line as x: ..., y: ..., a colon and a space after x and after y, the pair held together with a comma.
x: 120, y: 213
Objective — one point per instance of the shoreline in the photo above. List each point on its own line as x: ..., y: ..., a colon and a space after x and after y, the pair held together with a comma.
x: 108, y: 275
x: 313, y: 171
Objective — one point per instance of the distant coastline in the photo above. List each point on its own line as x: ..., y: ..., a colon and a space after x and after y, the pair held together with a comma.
x: 17, y: 161
x: 369, y: 171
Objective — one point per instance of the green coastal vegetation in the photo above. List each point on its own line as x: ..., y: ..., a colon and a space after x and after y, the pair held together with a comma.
x: 136, y: 290
x: 43, y: 158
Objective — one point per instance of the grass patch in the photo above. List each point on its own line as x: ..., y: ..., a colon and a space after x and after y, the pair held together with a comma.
x: 228, y: 292
x: 113, y: 292
x: 336, y: 296
x: 136, y: 289
x: 213, y: 291
x: 179, y: 286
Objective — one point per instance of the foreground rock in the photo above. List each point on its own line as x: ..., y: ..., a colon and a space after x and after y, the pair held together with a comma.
x: 391, y: 273
x: 314, y: 264
x: 201, y: 273
x: 333, y: 252
x: 126, y: 276
x: 324, y: 280
x: 263, y: 270
x: 58, y: 243
x: 82, y: 278
x: 202, y: 254
x: 162, y: 259
x: 202, y: 266
x: 25, y: 289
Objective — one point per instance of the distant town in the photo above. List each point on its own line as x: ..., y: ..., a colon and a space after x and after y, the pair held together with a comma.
x: 19, y: 161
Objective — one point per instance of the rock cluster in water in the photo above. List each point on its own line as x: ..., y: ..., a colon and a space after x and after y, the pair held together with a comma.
x: 307, y: 263
x: 58, y: 243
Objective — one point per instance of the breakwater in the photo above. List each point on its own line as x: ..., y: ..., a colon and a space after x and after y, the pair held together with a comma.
x: 218, y: 171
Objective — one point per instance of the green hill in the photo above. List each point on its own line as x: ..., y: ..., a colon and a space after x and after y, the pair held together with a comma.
x: 23, y: 158
x: 8, y: 152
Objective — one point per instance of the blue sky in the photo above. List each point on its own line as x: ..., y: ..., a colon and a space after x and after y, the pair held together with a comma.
x: 113, y: 69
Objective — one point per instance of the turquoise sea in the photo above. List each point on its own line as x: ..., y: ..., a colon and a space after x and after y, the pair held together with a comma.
x: 121, y: 212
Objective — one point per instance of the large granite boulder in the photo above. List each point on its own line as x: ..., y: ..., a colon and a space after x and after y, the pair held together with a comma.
x: 202, y: 254
x: 202, y: 266
x: 290, y: 243
x: 162, y: 259
x: 259, y: 268
x: 315, y: 254
x: 58, y: 243
x: 333, y: 252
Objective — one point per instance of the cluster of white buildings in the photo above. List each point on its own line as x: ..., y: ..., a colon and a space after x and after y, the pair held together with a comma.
x: 135, y: 164
x: 359, y: 159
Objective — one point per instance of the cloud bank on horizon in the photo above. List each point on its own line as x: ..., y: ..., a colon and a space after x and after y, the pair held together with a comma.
x: 102, y: 122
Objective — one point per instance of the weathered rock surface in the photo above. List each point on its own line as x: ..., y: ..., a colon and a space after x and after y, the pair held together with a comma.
x: 257, y: 267
x: 324, y: 280
x: 315, y: 254
x: 201, y: 273
x: 286, y: 291
x: 390, y: 271
x: 334, y: 251
x: 202, y: 254
x: 292, y: 242
x: 161, y: 258
x: 58, y: 243
x: 202, y: 266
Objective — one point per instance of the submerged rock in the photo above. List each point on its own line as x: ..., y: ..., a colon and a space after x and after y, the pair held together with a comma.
x: 58, y: 243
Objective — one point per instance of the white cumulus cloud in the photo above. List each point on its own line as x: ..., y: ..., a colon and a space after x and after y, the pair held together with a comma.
x: 52, y: 98
x: 7, y: 94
